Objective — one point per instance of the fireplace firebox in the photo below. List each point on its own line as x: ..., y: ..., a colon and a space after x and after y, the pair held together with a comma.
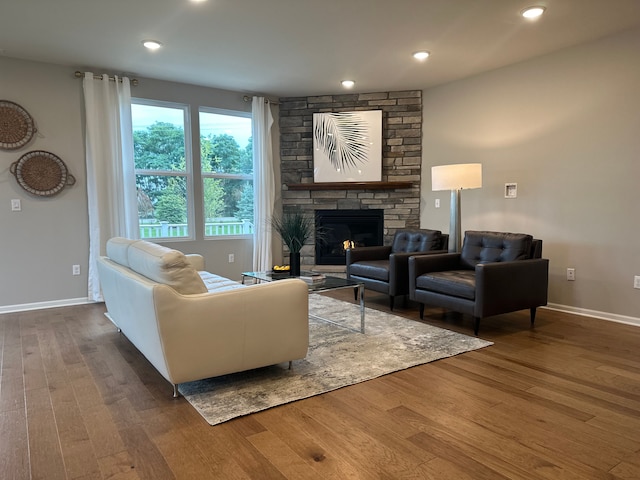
x: 344, y: 229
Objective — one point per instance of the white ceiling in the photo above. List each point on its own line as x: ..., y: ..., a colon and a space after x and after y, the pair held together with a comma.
x: 301, y: 47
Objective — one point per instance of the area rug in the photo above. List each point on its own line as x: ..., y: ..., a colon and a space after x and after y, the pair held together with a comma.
x: 337, y: 357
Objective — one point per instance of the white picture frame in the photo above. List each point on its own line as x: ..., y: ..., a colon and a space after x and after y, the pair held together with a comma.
x: 347, y: 146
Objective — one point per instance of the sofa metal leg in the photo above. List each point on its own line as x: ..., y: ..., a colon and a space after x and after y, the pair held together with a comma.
x: 476, y: 325
x: 391, y: 299
x: 422, y: 311
x: 533, y: 315
x: 176, y: 394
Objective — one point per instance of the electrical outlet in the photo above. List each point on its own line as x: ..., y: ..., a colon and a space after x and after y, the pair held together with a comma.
x: 437, y: 203
x: 75, y: 269
x: 636, y: 281
x: 232, y: 258
x: 15, y: 205
x: 571, y: 274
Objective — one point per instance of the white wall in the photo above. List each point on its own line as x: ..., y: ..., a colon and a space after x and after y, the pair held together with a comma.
x: 566, y: 128
x: 41, y: 243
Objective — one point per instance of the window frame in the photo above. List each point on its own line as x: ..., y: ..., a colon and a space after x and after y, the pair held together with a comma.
x: 226, y: 176
x: 188, y: 172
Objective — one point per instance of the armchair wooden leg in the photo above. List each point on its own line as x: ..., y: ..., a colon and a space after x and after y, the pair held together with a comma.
x: 355, y: 294
x: 391, y: 299
x: 422, y: 311
x: 533, y: 315
x: 476, y: 325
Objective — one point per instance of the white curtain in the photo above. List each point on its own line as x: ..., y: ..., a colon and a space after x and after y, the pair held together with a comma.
x: 264, y: 183
x: 111, y: 188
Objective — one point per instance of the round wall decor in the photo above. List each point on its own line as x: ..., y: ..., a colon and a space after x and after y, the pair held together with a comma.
x: 16, y: 126
x: 41, y: 173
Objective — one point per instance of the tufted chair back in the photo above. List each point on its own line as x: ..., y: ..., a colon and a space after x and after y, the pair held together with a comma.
x: 486, y: 247
x: 407, y: 241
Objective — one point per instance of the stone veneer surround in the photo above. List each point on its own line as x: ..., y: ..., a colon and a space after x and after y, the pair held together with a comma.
x: 401, y: 158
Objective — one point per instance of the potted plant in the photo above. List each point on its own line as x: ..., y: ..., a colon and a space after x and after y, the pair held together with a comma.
x: 294, y: 228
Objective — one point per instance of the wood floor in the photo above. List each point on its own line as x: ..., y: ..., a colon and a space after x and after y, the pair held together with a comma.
x: 561, y: 401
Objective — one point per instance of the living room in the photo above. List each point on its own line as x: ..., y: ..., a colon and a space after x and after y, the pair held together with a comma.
x: 563, y: 126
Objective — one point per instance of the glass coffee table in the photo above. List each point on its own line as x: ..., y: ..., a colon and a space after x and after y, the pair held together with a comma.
x: 327, y: 284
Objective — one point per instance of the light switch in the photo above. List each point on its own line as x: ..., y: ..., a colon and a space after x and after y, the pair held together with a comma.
x: 15, y: 205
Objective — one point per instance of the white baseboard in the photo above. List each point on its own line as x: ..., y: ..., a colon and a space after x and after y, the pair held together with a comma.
x: 612, y: 317
x: 41, y: 305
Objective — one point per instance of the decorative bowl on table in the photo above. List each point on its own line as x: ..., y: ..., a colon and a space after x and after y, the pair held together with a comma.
x: 280, y: 271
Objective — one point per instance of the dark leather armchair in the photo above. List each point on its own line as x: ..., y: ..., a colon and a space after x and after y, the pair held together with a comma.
x: 385, y: 269
x: 495, y: 273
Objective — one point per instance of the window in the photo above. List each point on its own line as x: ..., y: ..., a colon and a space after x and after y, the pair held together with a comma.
x: 164, y: 173
x: 162, y: 157
x: 226, y: 156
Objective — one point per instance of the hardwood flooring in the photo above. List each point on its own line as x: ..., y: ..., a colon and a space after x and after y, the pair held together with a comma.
x: 560, y: 401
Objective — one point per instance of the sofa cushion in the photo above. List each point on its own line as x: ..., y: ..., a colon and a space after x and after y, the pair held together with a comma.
x: 486, y: 247
x: 407, y: 241
x: 165, y: 265
x: 118, y: 248
x: 216, y: 283
x: 457, y: 283
x: 375, y: 269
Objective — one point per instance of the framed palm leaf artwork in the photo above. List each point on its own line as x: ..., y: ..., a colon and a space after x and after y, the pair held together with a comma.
x: 347, y: 146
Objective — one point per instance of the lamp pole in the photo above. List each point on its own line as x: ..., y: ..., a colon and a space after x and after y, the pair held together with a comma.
x: 455, y: 236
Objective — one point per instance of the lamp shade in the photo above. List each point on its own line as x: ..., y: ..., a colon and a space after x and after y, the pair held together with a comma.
x: 456, y: 177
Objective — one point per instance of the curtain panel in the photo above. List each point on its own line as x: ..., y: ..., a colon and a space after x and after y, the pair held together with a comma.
x: 264, y: 183
x: 111, y: 190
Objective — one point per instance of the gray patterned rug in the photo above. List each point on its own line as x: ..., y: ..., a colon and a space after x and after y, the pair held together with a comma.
x: 337, y: 357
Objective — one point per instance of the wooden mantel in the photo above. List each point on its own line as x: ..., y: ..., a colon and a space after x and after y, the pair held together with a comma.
x: 349, y: 185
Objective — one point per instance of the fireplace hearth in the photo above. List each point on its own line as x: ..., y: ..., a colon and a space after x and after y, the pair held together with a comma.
x: 345, y: 229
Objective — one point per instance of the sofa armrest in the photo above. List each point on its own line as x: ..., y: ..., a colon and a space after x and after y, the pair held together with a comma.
x: 419, y: 264
x: 399, y: 270
x: 211, y: 334
x: 367, y: 253
x: 508, y: 286
x: 196, y: 261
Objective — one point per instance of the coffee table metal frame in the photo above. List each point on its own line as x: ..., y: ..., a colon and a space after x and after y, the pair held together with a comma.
x: 329, y: 283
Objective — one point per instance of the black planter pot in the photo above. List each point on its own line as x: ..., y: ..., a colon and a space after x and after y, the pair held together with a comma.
x: 294, y: 262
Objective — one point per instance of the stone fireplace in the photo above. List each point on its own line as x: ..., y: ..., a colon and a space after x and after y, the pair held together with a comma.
x: 397, y: 196
x: 342, y: 229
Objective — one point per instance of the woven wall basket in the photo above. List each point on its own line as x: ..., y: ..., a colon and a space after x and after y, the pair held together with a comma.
x: 41, y: 173
x: 16, y: 126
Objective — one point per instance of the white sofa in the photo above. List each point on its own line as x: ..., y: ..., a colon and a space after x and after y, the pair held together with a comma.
x: 191, y: 324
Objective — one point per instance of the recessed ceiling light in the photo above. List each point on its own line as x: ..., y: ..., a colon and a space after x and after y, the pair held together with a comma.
x: 421, y: 55
x: 151, y: 44
x: 348, y: 83
x: 532, y: 12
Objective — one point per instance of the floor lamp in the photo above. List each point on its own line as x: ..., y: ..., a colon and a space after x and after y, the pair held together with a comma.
x: 456, y: 178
